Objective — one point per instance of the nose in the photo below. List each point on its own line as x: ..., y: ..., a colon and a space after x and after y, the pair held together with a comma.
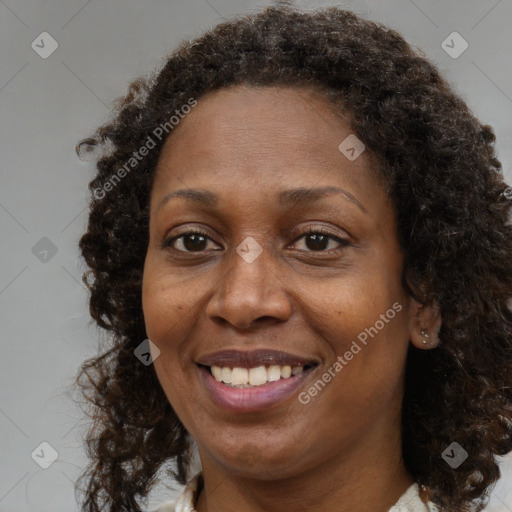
x: 250, y: 294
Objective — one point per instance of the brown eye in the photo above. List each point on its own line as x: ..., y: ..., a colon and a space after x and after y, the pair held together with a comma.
x: 191, y: 241
x: 317, y: 240
x: 197, y: 241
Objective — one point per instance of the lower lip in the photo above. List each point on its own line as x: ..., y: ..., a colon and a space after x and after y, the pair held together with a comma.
x: 251, y: 399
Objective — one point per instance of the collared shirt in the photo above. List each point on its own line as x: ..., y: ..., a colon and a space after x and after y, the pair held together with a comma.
x: 410, y: 500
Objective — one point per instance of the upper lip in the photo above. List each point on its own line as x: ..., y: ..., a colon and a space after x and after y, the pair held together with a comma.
x: 251, y: 359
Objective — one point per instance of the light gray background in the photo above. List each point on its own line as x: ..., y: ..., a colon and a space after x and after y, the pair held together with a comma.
x: 47, y: 105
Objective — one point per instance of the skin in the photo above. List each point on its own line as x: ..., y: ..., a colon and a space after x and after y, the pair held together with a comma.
x: 341, y: 451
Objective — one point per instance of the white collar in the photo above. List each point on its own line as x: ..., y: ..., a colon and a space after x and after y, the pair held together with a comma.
x: 410, y: 500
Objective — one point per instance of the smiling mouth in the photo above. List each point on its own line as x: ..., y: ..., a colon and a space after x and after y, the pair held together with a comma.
x: 240, y: 377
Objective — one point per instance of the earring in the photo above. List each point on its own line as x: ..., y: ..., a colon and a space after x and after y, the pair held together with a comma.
x: 426, y: 337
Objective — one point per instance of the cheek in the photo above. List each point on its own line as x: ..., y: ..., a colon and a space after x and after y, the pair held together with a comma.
x: 169, y: 304
x: 163, y: 316
x: 171, y: 308
x: 362, y: 303
x: 370, y: 359
x: 366, y: 323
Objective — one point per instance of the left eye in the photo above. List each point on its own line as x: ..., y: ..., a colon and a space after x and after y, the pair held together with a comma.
x: 317, y: 241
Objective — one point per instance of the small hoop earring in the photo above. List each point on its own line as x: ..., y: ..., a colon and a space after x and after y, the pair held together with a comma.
x: 426, y: 337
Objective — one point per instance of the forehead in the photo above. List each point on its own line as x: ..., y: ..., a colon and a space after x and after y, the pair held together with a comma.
x: 299, y: 113
x: 262, y: 135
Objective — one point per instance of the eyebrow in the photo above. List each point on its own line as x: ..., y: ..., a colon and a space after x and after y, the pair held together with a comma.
x: 291, y: 198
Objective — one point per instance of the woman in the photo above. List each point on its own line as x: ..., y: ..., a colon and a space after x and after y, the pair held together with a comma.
x: 299, y: 240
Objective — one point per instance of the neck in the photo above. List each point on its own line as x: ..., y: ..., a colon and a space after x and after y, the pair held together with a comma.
x: 366, y: 479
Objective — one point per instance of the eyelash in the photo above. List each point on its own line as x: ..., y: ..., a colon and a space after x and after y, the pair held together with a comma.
x: 316, y: 231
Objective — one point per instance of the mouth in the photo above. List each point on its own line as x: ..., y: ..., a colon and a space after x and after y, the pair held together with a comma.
x: 244, y: 378
x: 239, y: 381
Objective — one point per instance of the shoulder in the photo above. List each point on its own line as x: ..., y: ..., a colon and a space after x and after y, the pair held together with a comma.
x: 410, y: 501
x: 186, y: 500
x: 166, y: 507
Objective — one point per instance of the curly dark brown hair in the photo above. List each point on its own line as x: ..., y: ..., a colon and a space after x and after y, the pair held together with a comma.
x: 453, y: 208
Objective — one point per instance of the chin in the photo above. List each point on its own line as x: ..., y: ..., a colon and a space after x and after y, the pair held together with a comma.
x: 259, y: 460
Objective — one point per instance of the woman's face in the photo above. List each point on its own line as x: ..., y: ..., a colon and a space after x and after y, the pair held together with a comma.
x: 255, y: 292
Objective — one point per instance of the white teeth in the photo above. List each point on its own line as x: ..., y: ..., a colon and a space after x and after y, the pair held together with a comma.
x: 217, y: 373
x: 239, y: 376
x: 226, y: 375
x: 286, y: 371
x: 249, y: 377
x: 273, y: 373
x: 257, y: 376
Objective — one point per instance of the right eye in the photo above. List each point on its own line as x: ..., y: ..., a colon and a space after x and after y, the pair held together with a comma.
x: 193, y: 240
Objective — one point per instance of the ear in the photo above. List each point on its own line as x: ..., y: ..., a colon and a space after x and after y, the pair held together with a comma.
x: 424, y: 325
